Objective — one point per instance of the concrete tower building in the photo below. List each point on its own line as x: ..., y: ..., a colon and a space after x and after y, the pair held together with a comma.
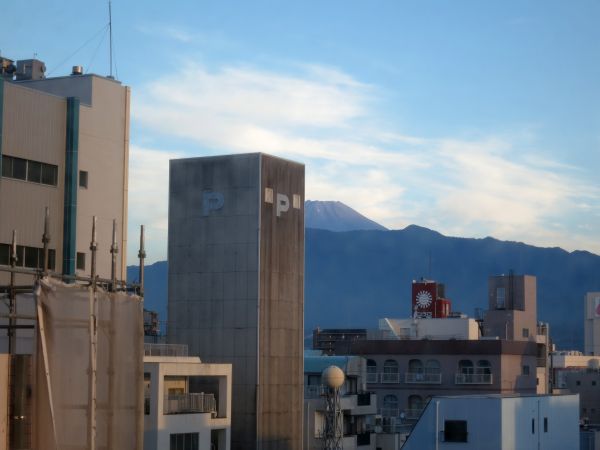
x: 592, y: 323
x: 512, y: 313
x: 64, y: 144
x: 236, y: 285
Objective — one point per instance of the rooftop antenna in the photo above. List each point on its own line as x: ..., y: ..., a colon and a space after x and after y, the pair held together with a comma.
x: 110, y: 36
x: 333, y: 378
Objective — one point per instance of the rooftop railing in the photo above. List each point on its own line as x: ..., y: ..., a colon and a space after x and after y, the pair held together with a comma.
x: 165, y: 350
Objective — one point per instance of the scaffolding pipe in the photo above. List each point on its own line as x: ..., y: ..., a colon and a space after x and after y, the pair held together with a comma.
x: 93, y: 342
x: 46, y: 238
x: 142, y: 256
x: 12, y: 304
x: 114, y: 249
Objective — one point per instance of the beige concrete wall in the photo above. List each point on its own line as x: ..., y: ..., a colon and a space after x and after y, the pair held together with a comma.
x: 34, y: 127
x: 104, y: 154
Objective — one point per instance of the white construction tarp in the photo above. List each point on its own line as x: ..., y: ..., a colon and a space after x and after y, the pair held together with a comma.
x: 64, y: 369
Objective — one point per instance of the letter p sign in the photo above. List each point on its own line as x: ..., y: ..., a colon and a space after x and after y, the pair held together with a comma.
x: 283, y: 204
x: 211, y: 201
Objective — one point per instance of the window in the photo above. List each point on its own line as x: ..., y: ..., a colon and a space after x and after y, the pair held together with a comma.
x: 415, y: 403
x: 532, y: 426
x: 525, y: 370
x: 545, y: 424
x: 455, y: 431
x: 500, y: 298
x: 484, y: 366
x: 4, y: 254
x: 49, y: 174
x: 465, y: 366
x: 593, y: 383
x: 80, y: 261
x: 32, y: 171
x: 390, y: 405
x: 184, y: 441
x: 525, y: 332
x: 390, y: 371
x: 415, y: 366
x: 29, y: 257
x: 578, y: 383
x: 83, y: 179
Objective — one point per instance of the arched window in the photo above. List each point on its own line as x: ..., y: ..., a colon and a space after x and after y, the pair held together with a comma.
x: 484, y: 366
x: 415, y: 403
x: 415, y: 366
x: 432, y: 366
x: 390, y: 371
x: 390, y: 406
x: 371, y: 371
x: 465, y: 366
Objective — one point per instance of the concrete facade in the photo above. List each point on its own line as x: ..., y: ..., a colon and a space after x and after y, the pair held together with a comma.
x: 512, y: 313
x: 236, y: 285
x: 201, y: 413
x: 65, y: 126
x: 592, y: 323
x: 498, y: 423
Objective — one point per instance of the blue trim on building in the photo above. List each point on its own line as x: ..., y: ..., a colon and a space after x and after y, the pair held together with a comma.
x: 71, y: 171
x: 1, y: 119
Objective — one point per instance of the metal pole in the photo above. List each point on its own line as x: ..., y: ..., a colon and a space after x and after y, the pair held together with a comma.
x: 114, y: 249
x: 12, y: 296
x: 110, y: 36
x: 142, y: 256
x: 46, y: 239
x: 93, y: 341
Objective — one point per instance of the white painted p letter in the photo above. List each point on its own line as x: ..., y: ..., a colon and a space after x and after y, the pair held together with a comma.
x: 283, y: 204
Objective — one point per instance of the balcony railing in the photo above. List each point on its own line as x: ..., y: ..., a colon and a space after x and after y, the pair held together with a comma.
x: 189, y: 404
x: 390, y: 378
x: 422, y: 378
x: 473, y: 378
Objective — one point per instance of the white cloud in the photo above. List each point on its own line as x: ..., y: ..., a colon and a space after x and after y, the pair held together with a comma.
x: 328, y: 120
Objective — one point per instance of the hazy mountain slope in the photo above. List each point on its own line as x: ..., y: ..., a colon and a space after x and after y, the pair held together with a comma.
x: 353, y: 278
x: 336, y: 216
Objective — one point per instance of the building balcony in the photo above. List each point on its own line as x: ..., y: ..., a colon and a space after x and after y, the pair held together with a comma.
x: 190, y: 404
x: 473, y: 378
x: 390, y: 378
x: 422, y: 378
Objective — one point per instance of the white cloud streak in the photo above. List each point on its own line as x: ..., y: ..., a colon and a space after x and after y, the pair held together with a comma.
x: 326, y: 118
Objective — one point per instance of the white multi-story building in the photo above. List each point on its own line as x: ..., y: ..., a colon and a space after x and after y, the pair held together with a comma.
x: 592, y: 323
x: 188, y: 402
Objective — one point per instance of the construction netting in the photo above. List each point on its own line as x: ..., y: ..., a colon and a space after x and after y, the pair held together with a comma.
x: 71, y: 401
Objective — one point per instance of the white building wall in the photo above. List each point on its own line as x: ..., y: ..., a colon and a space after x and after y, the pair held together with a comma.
x: 500, y: 423
x: 462, y: 328
x: 592, y: 323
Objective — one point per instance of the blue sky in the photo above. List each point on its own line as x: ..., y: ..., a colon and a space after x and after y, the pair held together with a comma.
x: 471, y: 118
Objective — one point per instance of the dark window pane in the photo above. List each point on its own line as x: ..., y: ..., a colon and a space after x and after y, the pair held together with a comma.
x: 31, y: 257
x: 83, y: 179
x: 173, y: 445
x: 4, y: 254
x: 34, y: 171
x: 80, y: 261
x: 52, y: 259
x: 455, y: 431
x: 6, y: 166
x: 20, y: 255
x: 19, y: 169
x: 49, y: 174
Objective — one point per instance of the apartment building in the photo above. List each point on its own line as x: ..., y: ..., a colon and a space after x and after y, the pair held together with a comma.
x: 592, y: 323
x: 187, y: 402
x: 409, y: 361
x: 64, y: 145
x: 358, y: 405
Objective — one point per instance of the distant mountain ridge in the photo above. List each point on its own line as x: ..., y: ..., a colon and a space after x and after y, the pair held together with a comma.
x: 336, y: 216
x: 354, y: 278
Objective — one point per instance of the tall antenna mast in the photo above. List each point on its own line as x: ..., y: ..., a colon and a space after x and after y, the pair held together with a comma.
x: 110, y: 36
